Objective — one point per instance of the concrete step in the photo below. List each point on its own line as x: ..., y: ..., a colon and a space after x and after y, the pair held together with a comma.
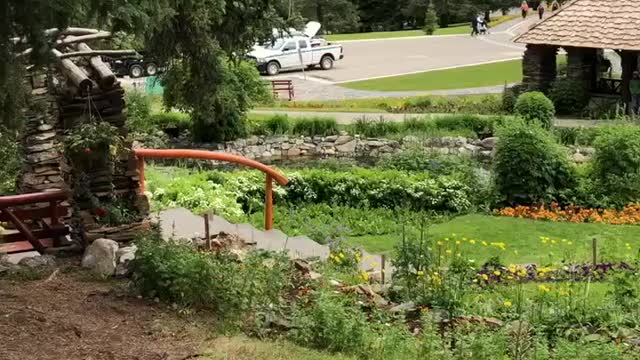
x: 304, y: 247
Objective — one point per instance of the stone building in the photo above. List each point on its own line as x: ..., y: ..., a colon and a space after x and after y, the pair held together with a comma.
x: 585, y: 29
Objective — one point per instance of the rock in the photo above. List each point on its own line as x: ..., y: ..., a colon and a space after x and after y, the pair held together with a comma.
x: 493, y: 322
x: 343, y: 139
x: 266, y: 154
x: 331, y: 138
x: 39, y: 147
x: 404, y: 307
x: 14, y: 259
x: 253, y: 140
x: 100, y: 257
x: 579, y: 158
x: 44, y: 127
x: 335, y: 283
x: 376, y: 143
x: 314, y: 275
x: 375, y: 277
x: 45, y: 136
x: 294, y: 152
x: 382, y: 289
x: 349, y: 147
x: 302, y: 265
x: 38, y: 261
x: 125, y: 257
x: 471, y: 148
x: 489, y: 143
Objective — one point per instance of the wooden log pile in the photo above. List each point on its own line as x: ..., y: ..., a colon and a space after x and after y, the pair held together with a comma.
x: 82, y: 90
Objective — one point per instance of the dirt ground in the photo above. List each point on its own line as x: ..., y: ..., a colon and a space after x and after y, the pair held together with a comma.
x: 69, y: 315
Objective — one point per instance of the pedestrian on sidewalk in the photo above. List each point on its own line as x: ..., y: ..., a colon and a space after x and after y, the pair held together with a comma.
x: 555, y: 5
x: 525, y: 9
x: 634, y: 89
x: 474, y: 25
x: 541, y: 10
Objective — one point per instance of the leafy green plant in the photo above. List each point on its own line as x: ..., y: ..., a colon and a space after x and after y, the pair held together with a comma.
x: 569, y: 97
x: 486, y: 105
x: 535, y: 107
x: 529, y: 167
x: 616, y: 163
x: 315, y: 126
x: 172, y: 123
x: 138, y: 111
x: 375, y: 127
x: 10, y: 161
x: 430, y: 20
x: 510, y: 96
x: 277, y: 125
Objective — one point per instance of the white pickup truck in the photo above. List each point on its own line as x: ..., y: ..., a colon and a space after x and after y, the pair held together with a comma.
x: 296, y: 52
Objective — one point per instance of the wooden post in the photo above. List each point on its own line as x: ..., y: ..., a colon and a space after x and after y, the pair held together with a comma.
x: 268, y: 213
x: 141, y: 174
x: 207, y: 234
x: 106, y: 76
x: 383, y: 260
x: 594, y: 246
x: 77, y: 76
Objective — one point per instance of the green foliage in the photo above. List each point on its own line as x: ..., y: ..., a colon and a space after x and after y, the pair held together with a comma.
x: 277, y: 125
x: 175, y: 273
x: 315, y: 126
x: 569, y: 96
x: 430, y: 20
x: 483, y: 105
x: 138, y: 111
x: 510, y: 96
x: 535, y: 108
x: 92, y: 142
x: 10, y: 161
x: 576, y: 136
x: 375, y: 128
x: 616, y: 164
x: 529, y: 167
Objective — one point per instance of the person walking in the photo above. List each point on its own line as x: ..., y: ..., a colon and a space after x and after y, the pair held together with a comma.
x: 555, y: 5
x: 474, y: 25
x: 541, y: 10
x: 525, y: 9
x: 634, y: 90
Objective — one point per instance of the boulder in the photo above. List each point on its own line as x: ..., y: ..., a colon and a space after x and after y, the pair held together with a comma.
x: 343, y: 139
x: 349, y: 147
x: 125, y: 256
x: 489, y: 143
x: 100, y: 257
x: 38, y: 261
x: 294, y: 152
x: 404, y: 307
x: 579, y: 158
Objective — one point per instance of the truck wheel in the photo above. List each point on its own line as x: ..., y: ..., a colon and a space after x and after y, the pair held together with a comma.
x: 151, y: 69
x: 273, y: 68
x: 326, y: 63
x: 136, y: 71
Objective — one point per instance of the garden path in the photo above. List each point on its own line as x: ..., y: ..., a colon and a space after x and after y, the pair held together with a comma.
x: 181, y: 223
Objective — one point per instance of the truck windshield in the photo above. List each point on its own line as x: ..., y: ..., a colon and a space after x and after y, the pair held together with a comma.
x: 277, y: 44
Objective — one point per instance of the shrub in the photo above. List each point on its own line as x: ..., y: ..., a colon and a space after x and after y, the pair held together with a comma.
x: 510, y: 96
x: 316, y: 126
x: 138, y: 111
x: 616, y: 163
x: 172, y: 123
x: 576, y: 136
x: 535, y: 107
x: 9, y: 161
x: 529, y: 167
x: 175, y: 273
x: 487, y: 105
x: 481, y: 125
x: 375, y: 128
x: 569, y: 96
x: 277, y: 125
x: 430, y: 20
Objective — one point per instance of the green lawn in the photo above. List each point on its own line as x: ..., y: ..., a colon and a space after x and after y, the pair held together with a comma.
x: 458, y: 78
x: 522, y: 239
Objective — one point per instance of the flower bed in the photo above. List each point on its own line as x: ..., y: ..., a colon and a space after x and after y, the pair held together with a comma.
x: 629, y: 215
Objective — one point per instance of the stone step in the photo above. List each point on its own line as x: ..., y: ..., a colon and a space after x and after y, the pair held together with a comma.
x: 304, y: 247
x: 219, y: 224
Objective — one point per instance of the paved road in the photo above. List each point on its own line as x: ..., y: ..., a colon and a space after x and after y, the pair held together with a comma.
x: 345, y: 118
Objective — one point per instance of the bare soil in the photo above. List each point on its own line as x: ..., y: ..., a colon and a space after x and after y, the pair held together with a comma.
x: 69, y: 315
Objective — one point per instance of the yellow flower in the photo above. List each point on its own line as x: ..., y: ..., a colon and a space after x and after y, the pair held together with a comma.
x: 569, y: 242
x: 627, y: 245
x: 439, y: 243
x: 475, y: 281
x: 364, y: 276
x: 484, y: 243
x: 553, y: 241
x: 449, y: 251
x: 464, y: 239
x: 485, y: 277
x: 341, y: 256
x: 509, y: 277
x: 459, y: 255
x: 454, y: 235
x: 458, y: 242
x: 446, y: 239
x: 497, y: 273
x: 507, y: 303
x: 472, y: 242
x: 544, y: 288
x: 420, y: 273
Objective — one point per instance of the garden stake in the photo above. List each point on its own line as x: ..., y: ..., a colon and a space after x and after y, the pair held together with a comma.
x: 594, y: 245
x: 206, y: 232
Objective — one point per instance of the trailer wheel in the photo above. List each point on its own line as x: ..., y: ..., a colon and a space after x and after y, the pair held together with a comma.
x: 326, y: 63
x: 136, y: 71
x: 273, y: 68
x: 151, y: 69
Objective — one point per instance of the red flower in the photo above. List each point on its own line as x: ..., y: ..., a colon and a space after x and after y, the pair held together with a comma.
x: 87, y: 150
x: 100, y: 212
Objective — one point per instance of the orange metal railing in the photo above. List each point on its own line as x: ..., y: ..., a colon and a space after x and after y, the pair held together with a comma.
x: 271, y: 173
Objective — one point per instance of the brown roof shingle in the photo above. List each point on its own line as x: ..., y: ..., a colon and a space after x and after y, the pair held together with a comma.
x: 602, y: 24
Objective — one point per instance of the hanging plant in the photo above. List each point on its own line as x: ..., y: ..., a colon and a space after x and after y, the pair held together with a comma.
x: 93, y: 144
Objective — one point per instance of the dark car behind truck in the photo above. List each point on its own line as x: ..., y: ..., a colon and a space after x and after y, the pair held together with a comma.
x: 133, y: 66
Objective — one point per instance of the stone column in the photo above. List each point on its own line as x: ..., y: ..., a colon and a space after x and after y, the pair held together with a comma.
x: 539, y: 67
x: 582, y: 66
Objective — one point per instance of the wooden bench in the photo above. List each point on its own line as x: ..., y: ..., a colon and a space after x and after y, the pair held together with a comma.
x: 37, y: 219
x: 279, y: 86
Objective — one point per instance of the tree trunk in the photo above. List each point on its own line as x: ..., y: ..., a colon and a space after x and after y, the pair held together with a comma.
x: 106, y: 76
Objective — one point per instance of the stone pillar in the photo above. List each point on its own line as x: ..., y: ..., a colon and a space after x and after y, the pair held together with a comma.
x: 539, y: 68
x: 629, y: 65
x: 582, y: 66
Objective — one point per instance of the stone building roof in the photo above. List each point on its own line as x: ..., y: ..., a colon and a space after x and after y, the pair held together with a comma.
x: 601, y: 24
